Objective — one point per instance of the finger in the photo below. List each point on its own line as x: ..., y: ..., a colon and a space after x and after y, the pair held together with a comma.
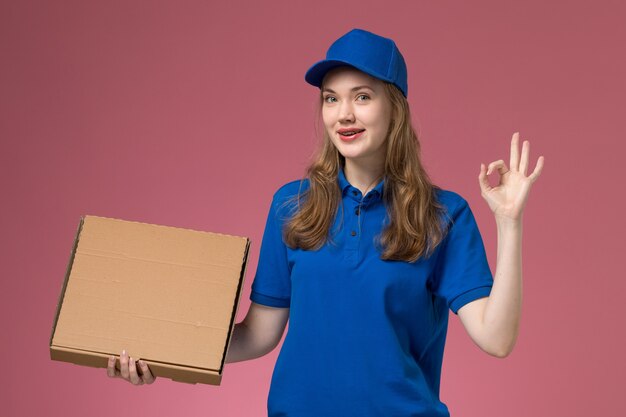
x: 132, y: 369
x: 537, y: 171
x: 514, y: 151
x: 124, y: 365
x: 523, y: 164
x: 499, y: 165
x: 482, y: 179
x: 111, y: 371
x: 146, y: 374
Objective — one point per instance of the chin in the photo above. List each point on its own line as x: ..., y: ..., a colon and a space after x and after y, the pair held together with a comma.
x: 348, y: 154
x: 352, y: 156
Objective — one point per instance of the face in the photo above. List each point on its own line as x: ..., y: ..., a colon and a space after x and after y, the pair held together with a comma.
x: 356, y: 114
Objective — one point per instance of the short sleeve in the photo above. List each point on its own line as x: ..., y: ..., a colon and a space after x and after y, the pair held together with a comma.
x: 272, y: 281
x: 462, y: 272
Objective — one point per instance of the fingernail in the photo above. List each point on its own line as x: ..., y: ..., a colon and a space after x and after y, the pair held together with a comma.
x: 124, y: 352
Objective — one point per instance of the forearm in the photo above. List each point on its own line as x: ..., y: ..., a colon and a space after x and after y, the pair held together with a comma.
x: 502, y: 312
x: 243, y: 346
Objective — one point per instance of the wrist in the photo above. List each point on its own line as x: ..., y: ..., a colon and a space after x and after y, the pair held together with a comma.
x: 508, y: 223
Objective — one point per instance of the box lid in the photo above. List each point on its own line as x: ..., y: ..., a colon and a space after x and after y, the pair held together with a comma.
x: 165, y: 294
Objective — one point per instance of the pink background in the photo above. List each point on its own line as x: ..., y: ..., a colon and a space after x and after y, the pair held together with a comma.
x: 191, y: 114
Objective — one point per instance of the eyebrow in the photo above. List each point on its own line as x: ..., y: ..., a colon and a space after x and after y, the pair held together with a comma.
x: 358, y: 87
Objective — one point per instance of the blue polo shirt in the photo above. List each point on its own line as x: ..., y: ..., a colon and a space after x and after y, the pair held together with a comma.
x: 366, y: 336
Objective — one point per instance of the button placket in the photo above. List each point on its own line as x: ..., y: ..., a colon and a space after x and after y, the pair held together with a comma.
x: 352, y: 227
x: 356, y: 229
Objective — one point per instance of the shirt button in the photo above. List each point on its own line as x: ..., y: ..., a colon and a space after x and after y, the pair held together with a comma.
x: 353, y: 233
x: 355, y: 192
x: 357, y: 211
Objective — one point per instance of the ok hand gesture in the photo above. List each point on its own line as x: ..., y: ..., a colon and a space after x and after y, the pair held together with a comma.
x: 508, y: 198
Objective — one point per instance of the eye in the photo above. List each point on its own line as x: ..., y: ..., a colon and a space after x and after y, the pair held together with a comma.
x: 329, y: 99
x: 362, y: 97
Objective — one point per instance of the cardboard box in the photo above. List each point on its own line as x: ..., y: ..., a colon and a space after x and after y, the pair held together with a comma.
x: 167, y: 295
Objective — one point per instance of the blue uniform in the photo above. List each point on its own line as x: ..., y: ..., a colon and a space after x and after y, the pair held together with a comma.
x: 366, y: 336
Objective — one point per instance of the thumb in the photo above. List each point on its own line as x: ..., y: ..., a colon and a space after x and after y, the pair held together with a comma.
x: 482, y: 179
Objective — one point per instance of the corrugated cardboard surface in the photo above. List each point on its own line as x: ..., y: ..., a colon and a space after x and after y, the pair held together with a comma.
x: 167, y: 295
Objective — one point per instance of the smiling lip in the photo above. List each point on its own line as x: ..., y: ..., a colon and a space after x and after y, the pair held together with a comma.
x: 350, y: 137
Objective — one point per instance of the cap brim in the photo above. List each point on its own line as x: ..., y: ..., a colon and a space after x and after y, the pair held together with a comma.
x: 315, y: 75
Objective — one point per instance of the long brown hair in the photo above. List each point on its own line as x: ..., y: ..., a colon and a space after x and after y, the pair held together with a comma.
x: 414, y: 229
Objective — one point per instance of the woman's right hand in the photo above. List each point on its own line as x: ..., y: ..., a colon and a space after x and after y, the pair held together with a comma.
x: 128, y: 370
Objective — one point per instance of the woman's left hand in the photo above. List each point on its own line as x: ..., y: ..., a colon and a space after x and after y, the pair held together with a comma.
x: 508, y: 198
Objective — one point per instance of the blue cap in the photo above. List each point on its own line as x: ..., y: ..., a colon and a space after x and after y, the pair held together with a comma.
x: 367, y: 52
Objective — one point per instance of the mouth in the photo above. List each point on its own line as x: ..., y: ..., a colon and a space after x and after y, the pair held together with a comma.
x: 350, y: 134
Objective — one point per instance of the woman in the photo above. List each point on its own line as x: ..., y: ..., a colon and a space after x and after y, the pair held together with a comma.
x: 365, y: 256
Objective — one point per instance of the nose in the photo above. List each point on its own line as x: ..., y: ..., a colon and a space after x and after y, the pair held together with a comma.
x: 346, y: 113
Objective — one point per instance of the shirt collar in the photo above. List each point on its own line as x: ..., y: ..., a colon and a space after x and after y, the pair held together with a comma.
x: 346, y: 187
